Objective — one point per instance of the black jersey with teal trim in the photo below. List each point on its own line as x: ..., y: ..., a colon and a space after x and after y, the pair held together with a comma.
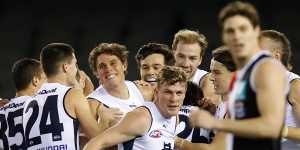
x: 245, y: 107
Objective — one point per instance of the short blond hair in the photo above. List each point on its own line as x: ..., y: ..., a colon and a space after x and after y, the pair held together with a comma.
x: 171, y: 75
x: 190, y: 37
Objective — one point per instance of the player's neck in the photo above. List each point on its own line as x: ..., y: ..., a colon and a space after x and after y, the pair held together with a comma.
x: 120, y: 91
x: 192, y: 76
x: 58, y: 79
x: 161, y: 110
x: 242, y: 62
x: 26, y: 92
x: 225, y: 97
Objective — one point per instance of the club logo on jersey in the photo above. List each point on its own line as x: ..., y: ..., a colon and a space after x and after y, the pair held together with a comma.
x: 12, y: 105
x: 155, y: 134
x: 132, y: 106
x: 47, y: 91
x: 239, y: 109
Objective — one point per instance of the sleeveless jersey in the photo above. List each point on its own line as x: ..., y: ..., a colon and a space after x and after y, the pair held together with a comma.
x: 14, y: 118
x: 219, y: 114
x: 3, y: 130
x: 183, y: 129
x: 243, y: 105
x: 199, y: 74
x: 290, y: 118
x: 160, y: 136
x: 135, y: 99
x: 46, y: 122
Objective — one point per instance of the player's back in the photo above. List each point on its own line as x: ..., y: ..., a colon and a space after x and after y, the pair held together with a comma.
x: 3, y: 128
x: 14, y: 118
x: 46, y: 122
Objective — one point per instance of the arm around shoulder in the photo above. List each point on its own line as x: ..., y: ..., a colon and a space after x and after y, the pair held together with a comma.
x: 135, y: 123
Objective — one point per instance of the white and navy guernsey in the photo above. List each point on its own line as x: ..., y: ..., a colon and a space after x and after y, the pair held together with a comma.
x: 220, y: 114
x: 197, y: 77
x: 183, y: 129
x: 3, y: 128
x: 14, y: 133
x: 291, y: 120
x: 290, y: 117
x: 243, y: 105
x: 135, y: 99
x: 160, y: 136
x: 47, y: 123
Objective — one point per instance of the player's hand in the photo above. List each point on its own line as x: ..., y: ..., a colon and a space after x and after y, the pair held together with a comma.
x: 110, y: 115
x: 208, y: 105
x: 146, y: 89
x: 179, y: 142
x: 89, y: 145
x: 201, y: 118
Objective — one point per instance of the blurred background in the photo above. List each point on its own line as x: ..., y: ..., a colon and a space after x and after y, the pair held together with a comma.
x: 27, y: 26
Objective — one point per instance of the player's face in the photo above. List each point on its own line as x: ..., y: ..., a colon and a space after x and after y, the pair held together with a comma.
x: 72, y: 70
x: 151, y: 66
x: 110, y: 69
x: 240, y: 36
x: 220, y: 77
x: 170, y: 98
x: 187, y: 56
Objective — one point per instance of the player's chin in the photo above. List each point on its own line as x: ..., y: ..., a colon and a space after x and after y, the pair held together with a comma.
x: 173, y: 111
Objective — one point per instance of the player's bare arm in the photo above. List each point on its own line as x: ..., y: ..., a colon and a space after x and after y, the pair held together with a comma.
x: 266, y: 126
x: 135, y: 123
x: 77, y: 106
x: 219, y: 143
x: 294, y: 98
x: 146, y: 89
x: 106, y: 117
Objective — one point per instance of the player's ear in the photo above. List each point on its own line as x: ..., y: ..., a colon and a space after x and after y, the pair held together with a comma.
x: 35, y: 81
x: 65, y: 67
x: 155, y: 94
x: 277, y: 55
x: 125, y: 65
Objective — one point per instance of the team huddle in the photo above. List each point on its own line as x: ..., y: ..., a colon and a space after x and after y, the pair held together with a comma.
x: 248, y: 100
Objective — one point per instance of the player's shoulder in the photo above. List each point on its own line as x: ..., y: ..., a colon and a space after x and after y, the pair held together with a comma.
x: 270, y: 66
x: 73, y: 92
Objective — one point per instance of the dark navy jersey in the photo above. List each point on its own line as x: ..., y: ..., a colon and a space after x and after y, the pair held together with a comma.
x: 243, y: 105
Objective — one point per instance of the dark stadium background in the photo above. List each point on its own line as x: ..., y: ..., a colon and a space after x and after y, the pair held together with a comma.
x: 26, y: 26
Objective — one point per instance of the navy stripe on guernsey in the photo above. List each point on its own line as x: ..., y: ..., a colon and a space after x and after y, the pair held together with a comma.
x: 64, y: 104
x: 129, y: 144
x: 76, y: 128
x: 68, y: 125
x: 246, y: 107
x: 290, y: 82
x: 75, y: 121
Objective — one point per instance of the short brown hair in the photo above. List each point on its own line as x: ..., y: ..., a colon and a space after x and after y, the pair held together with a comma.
x: 53, y: 55
x: 108, y: 48
x: 23, y: 72
x: 222, y: 55
x: 171, y: 75
x: 282, y: 44
x: 155, y: 48
x: 190, y: 37
x: 239, y: 8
